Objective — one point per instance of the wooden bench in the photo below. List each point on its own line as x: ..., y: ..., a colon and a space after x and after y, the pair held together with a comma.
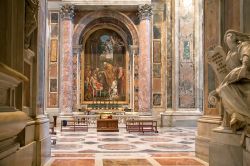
x: 141, y: 126
x: 76, y: 123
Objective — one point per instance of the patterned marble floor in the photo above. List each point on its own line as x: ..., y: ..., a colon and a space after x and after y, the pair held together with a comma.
x: 171, y: 146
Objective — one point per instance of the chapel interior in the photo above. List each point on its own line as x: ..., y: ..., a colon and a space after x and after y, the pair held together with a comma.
x: 124, y: 82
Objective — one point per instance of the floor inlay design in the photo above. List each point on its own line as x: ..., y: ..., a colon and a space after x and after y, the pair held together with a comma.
x: 171, y: 146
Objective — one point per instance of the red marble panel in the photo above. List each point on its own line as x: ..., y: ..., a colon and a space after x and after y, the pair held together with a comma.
x: 53, y: 100
x: 179, y: 161
x: 73, y: 162
x: 156, y: 85
x: 53, y: 70
x: 126, y: 162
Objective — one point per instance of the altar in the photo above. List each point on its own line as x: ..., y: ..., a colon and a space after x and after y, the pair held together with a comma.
x: 107, y: 125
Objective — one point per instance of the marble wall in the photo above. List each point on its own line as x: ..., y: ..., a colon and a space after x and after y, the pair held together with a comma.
x: 185, y: 65
x: 23, y: 56
x: 158, y: 55
x: 53, y: 59
x: 171, y: 66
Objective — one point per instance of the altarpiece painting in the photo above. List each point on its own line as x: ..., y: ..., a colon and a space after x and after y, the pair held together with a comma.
x: 103, y: 68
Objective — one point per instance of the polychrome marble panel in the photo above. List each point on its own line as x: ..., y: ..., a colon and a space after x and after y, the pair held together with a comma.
x: 53, y: 50
x: 156, y: 99
x: 157, y: 52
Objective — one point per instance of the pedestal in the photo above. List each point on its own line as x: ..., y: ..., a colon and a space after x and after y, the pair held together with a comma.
x: 246, y: 152
x: 205, y: 126
x: 180, y: 118
x: 225, y: 148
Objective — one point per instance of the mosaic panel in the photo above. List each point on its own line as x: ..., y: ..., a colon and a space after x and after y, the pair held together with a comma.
x: 53, y: 85
x: 157, y: 70
x: 156, y: 99
x: 157, y: 32
x: 54, y: 17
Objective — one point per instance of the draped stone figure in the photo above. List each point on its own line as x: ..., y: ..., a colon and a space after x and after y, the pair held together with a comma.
x: 31, y: 21
x: 233, y: 74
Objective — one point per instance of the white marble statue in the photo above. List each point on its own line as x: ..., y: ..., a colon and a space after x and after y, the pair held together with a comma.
x: 233, y: 72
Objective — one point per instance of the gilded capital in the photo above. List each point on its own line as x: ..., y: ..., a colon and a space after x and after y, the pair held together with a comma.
x: 67, y: 11
x: 145, y: 12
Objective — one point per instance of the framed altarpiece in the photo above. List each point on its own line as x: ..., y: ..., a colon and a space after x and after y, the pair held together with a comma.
x: 104, y: 68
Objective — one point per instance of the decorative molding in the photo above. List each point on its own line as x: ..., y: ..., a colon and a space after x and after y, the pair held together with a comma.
x: 67, y: 11
x: 77, y: 49
x: 145, y: 12
x: 28, y: 55
x: 134, y: 49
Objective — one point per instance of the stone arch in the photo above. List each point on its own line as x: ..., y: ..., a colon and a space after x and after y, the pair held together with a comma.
x: 105, y: 16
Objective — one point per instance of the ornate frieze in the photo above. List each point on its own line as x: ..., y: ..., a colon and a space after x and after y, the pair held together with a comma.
x: 67, y: 11
x: 145, y: 12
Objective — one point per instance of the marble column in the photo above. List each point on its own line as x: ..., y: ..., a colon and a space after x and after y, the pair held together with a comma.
x: 144, y: 60
x: 66, y: 60
x: 39, y: 127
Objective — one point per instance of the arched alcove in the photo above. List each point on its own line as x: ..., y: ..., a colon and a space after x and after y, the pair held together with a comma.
x: 106, y: 17
x: 119, y: 28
